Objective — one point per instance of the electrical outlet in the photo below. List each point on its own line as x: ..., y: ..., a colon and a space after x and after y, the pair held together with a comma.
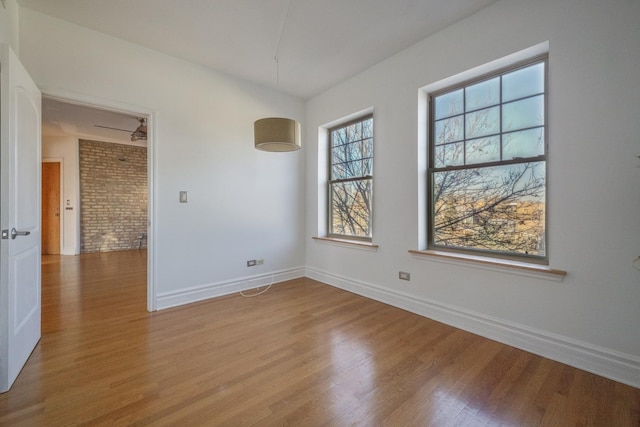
x: 251, y: 263
x: 403, y: 275
x: 259, y: 261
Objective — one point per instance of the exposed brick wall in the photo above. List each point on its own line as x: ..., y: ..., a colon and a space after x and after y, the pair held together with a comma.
x: 113, y: 196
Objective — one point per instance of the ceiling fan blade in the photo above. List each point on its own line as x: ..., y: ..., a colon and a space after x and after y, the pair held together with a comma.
x: 143, y: 125
x: 108, y: 127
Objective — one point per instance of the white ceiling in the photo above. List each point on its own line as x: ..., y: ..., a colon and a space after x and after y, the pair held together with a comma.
x: 64, y: 119
x: 323, y: 43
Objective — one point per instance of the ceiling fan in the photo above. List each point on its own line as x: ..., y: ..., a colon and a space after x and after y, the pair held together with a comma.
x: 139, y: 134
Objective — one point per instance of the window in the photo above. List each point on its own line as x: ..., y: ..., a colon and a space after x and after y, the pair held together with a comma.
x: 487, y: 165
x: 351, y: 179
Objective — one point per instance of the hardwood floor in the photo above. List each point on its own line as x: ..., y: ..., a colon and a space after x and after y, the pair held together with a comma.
x: 302, y: 354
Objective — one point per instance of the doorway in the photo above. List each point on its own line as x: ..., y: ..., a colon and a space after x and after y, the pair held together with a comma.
x: 84, y: 120
x: 51, y: 208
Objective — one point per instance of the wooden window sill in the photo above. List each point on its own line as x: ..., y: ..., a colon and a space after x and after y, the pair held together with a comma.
x: 347, y: 243
x: 495, y: 264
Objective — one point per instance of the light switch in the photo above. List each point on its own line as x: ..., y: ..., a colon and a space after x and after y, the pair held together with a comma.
x: 183, y: 197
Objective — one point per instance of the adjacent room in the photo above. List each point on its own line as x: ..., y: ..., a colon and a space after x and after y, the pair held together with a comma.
x: 341, y: 212
x: 94, y: 201
x: 97, y: 199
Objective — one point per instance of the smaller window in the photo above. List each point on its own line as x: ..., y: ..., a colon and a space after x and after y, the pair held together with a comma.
x: 351, y: 179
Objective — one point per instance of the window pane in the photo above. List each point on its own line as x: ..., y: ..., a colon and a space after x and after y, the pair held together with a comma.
x: 354, y: 132
x: 339, y: 162
x: 367, y: 156
x: 367, y: 128
x: 498, y: 209
x: 449, y: 155
x: 338, y: 137
x: 527, y: 143
x: 525, y: 82
x: 523, y: 114
x: 367, y: 148
x: 351, y: 208
x: 483, y: 94
x: 449, y: 130
x: 339, y: 171
x: 483, y: 150
x: 346, y: 170
x: 483, y: 122
x: 448, y: 105
x: 346, y: 159
x: 339, y: 154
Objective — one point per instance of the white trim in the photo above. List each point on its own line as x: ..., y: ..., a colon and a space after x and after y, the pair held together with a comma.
x: 621, y: 367
x: 218, y: 289
x: 492, y: 264
x: 490, y: 67
x: 351, y: 244
x: 120, y: 107
x: 323, y: 166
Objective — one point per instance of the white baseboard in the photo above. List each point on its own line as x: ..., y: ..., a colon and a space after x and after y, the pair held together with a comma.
x: 624, y: 368
x: 212, y: 290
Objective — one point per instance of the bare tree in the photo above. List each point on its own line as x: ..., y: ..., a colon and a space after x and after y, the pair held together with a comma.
x: 499, y: 209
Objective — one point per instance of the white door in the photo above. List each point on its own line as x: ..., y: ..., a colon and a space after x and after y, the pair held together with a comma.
x: 20, y: 105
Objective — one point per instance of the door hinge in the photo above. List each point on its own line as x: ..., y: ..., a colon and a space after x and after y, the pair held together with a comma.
x: 5, y: 234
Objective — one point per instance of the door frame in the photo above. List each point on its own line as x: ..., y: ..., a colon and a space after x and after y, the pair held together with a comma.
x: 59, y: 160
x: 150, y: 115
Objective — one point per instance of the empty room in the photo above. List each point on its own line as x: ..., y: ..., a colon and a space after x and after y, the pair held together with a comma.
x: 355, y: 213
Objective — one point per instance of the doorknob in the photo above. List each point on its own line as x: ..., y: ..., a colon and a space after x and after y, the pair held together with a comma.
x: 15, y: 233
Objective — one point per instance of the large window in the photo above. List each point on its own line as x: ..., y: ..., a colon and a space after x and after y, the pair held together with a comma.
x: 487, y: 164
x: 351, y: 179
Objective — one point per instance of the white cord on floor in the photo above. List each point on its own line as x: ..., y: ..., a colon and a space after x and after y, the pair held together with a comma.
x: 262, y: 291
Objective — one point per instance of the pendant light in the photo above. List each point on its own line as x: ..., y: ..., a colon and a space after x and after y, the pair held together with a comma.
x: 277, y: 133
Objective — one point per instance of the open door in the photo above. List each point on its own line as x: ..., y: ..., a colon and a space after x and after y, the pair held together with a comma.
x: 50, y: 208
x: 20, y: 118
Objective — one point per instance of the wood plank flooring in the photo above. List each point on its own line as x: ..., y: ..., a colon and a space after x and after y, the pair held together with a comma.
x: 303, y: 354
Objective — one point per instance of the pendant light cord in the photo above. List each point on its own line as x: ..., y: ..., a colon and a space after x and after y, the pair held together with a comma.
x: 276, y: 54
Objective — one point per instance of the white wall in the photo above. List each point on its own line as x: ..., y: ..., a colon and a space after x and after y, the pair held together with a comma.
x: 65, y: 150
x: 9, y: 24
x: 243, y: 203
x: 593, y: 176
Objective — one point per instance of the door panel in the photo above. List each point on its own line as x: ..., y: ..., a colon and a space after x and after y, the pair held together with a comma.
x: 20, y: 119
x: 28, y: 158
x: 26, y: 301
